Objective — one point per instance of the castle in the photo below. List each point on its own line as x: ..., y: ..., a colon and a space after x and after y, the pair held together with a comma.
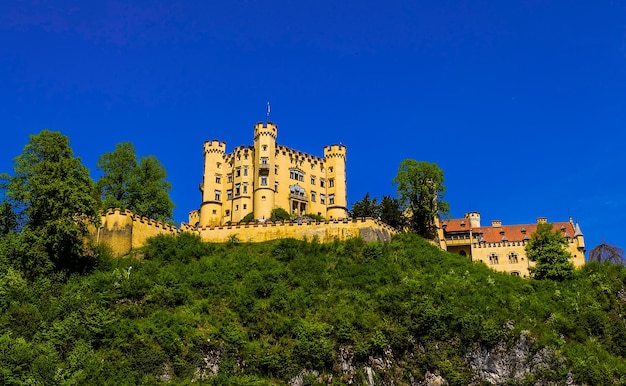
x: 501, y: 247
x: 259, y: 178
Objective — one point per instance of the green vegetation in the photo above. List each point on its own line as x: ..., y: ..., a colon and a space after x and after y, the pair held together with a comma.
x: 547, y: 249
x: 140, y: 187
x: 420, y: 190
x: 389, y: 210
x: 280, y: 214
x: 241, y: 313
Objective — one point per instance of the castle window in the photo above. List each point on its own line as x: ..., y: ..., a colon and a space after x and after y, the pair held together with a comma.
x: 214, y: 211
x: 264, y: 147
x: 515, y: 273
x: 493, y: 259
x: 275, y: 169
x: 312, y: 180
x: 313, y: 196
x: 245, y: 188
x: 331, y: 199
x: 219, y: 165
x: 237, y: 190
x: 322, y: 182
x: 262, y: 198
x: 322, y: 199
x: 229, y: 194
x: 264, y: 161
x: 276, y: 187
x: 217, y: 195
x: 331, y: 182
x: 245, y: 170
x: 330, y: 169
x: 513, y: 258
x: 245, y: 206
x: 295, y: 174
x: 238, y: 172
x: 263, y: 180
x: 245, y: 156
x: 236, y: 207
x: 227, y: 212
x: 230, y: 177
x: 218, y: 179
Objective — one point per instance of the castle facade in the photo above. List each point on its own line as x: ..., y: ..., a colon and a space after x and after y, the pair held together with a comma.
x: 264, y: 176
x: 502, y: 247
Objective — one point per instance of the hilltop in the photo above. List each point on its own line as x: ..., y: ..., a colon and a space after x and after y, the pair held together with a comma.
x: 300, y: 312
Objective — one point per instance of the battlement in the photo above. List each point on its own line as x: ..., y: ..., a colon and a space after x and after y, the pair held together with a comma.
x: 335, y: 151
x: 215, y: 146
x: 265, y: 129
x: 124, y: 231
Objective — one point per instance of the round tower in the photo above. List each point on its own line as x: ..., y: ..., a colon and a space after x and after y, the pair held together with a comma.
x: 212, y: 184
x: 474, y: 219
x: 336, y: 192
x: 264, y: 162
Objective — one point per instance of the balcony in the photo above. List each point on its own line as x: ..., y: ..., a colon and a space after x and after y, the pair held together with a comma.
x: 264, y: 169
x: 299, y: 197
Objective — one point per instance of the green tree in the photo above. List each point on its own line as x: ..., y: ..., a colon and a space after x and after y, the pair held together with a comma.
x: 420, y: 190
x: 56, y: 195
x: 547, y: 249
x: 390, y: 212
x: 279, y: 214
x: 365, y: 208
x: 140, y: 187
x: 8, y: 219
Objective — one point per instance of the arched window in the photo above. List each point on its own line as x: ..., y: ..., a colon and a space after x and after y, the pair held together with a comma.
x: 493, y: 259
x: 463, y: 253
x: 513, y: 258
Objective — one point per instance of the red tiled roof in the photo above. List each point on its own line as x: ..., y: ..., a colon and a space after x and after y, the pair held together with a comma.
x: 456, y: 225
x: 514, y: 232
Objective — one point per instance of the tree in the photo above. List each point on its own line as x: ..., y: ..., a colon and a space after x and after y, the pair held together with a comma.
x: 56, y: 197
x: 279, y: 214
x: 547, y: 249
x: 140, y: 187
x: 365, y: 208
x: 420, y: 191
x: 8, y: 219
x: 390, y: 212
x: 607, y: 253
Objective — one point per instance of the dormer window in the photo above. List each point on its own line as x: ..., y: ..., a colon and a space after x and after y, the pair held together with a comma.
x: 524, y: 230
x: 462, y: 224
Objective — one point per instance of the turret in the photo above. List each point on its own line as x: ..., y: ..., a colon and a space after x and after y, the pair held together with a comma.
x: 474, y: 219
x: 264, y: 177
x: 212, y: 184
x: 335, y: 163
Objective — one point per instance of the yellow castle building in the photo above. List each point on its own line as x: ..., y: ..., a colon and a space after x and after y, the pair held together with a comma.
x: 265, y: 176
x: 501, y: 247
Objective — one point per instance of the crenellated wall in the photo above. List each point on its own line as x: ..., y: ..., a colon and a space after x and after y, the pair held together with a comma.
x: 123, y: 231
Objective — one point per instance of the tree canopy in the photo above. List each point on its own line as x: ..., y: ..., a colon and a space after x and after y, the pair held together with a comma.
x: 547, y: 249
x: 420, y: 190
x: 607, y: 253
x: 140, y: 187
x: 56, y: 199
x: 367, y: 207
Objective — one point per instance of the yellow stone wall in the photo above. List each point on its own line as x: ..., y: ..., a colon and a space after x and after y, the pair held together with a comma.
x: 504, y: 249
x: 257, y: 179
x: 123, y: 231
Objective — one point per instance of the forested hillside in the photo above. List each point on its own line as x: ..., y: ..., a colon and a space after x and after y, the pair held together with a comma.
x: 288, y: 311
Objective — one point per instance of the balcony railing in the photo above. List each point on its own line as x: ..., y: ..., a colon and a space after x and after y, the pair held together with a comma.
x: 299, y: 197
x: 264, y: 169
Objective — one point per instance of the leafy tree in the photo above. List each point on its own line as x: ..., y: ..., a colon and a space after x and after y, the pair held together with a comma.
x: 390, y: 212
x: 8, y: 219
x: 56, y: 196
x: 420, y: 190
x: 279, y: 214
x: 365, y: 208
x: 547, y: 249
x: 607, y: 253
x: 140, y: 187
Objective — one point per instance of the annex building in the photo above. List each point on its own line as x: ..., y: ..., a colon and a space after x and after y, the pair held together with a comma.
x: 264, y: 176
x: 501, y: 247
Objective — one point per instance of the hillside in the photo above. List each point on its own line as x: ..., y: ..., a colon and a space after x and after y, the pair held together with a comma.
x: 296, y: 312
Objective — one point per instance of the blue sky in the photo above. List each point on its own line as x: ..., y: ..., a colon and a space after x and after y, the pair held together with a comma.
x: 521, y: 103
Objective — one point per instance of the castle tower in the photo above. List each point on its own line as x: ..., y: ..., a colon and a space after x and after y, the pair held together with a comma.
x: 474, y: 219
x: 337, y: 200
x: 212, y: 183
x: 264, y: 176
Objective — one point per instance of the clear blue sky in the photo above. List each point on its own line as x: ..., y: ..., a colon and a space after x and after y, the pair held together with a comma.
x: 521, y: 103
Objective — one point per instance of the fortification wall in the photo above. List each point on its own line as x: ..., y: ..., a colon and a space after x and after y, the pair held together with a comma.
x: 123, y: 231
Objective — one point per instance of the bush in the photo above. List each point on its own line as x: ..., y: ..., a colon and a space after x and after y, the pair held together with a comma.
x: 279, y: 214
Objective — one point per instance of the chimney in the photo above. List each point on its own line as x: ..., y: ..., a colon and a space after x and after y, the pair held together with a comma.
x: 496, y: 223
x: 542, y: 220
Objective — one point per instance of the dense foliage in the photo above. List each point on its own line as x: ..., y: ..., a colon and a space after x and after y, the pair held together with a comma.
x: 420, y: 190
x: 546, y: 248
x: 388, y: 210
x: 240, y: 313
x: 139, y: 186
x: 54, y: 196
